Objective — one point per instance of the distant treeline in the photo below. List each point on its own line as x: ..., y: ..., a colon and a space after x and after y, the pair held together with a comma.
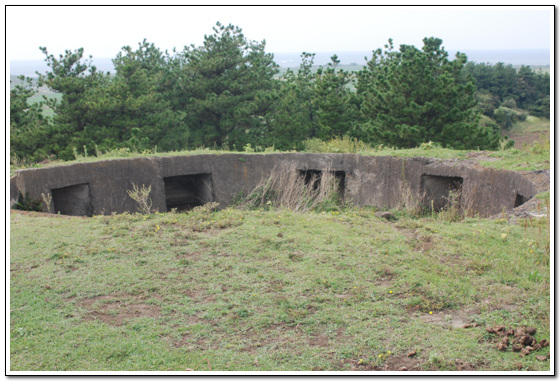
x: 226, y: 94
x: 507, y: 95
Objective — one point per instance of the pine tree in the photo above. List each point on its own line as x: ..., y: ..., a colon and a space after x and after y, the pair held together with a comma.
x: 134, y: 108
x: 334, y: 101
x: 75, y: 80
x: 411, y: 96
x: 226, y: 87
x: 29, y: 129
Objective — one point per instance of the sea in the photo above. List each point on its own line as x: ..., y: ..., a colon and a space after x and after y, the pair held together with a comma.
x: 518, y: 57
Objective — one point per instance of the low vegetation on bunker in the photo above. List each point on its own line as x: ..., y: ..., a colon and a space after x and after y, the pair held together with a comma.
x: 261, y: 287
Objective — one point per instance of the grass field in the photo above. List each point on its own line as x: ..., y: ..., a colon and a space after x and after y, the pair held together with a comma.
x: 38, y: 97
x: 531, y: 124
x: 274, y: 290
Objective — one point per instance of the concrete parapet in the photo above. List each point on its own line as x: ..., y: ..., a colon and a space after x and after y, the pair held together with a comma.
x: 185, y: 181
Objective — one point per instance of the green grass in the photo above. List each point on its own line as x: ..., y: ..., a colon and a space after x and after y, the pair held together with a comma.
x: 38, y: 97
x: 519, y: 160
x: 531, y: 124
x: 273, y: 290
x: 530, y: 158
x: 47, y: 111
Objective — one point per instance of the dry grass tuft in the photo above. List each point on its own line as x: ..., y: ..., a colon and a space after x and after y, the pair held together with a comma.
x: 291, y: 189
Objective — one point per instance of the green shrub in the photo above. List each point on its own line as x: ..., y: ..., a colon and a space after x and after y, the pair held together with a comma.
x: 507, y: 117
x: 28, y: 204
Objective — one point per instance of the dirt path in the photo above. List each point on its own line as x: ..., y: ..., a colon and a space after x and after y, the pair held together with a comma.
x: 526, y: 138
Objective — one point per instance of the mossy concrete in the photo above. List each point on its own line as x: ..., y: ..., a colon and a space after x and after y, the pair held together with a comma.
x: 381, y: 181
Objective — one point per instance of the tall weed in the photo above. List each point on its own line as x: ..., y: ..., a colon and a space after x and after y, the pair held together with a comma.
x: 142, y: 197
x: 453, y: 210
x: 290, y: 189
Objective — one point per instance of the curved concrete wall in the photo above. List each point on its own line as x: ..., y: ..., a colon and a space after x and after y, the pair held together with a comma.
x: 185, y: 181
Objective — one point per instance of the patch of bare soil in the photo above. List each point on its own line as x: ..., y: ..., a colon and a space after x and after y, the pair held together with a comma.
x: 465, y: 366
x: 424, y: 243
x: 319, y: 341
x: 400, y: 364
x: 482, y: 156
x: 449, y: 319
x: 116, y: 309
x: 324, y: 341
x: 526, y: 138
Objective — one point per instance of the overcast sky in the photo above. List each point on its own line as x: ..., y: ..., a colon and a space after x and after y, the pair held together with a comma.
x: 102, y: 31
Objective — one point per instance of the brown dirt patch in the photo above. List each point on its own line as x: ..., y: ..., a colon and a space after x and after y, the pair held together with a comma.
x: 421, y: 243
x: 449, y: 319
x: 385, y: 280
x: 424, y: 243
x: 465, y: 366
x: 323, y: 341
x: 410, y: 233
x: 401, y: 363
x: 526, y: 138
x: 116, y: 309
x: 482, y: 156
x: 319, y: 341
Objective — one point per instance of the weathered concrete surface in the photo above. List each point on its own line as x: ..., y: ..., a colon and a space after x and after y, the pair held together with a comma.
x: 485, y: 190
x: 368, y: 180
x: 14, y: 191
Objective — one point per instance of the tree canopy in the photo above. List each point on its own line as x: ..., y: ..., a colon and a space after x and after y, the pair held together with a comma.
x: 409, y: 96
x: 226, y: 93
x: 226, y: 86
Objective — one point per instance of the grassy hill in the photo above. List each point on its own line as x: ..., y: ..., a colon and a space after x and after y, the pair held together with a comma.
x: 275, y: 290
x: 43, y: 91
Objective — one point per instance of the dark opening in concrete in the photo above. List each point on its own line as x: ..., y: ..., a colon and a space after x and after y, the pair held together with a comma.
x: 314, y: 176
x: 437, y: 190
x: 74, y: 200
x: 187, y: 191
x: 519, y: 200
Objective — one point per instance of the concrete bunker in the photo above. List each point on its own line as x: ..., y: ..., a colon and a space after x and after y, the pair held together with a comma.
x: 73, y: 200
x: 183, y: 182
x: 315, y: 176
x: 188, y: 191
x: 438, y: 190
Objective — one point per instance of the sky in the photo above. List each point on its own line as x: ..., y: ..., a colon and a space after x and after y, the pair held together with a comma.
x: 102, y: 30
